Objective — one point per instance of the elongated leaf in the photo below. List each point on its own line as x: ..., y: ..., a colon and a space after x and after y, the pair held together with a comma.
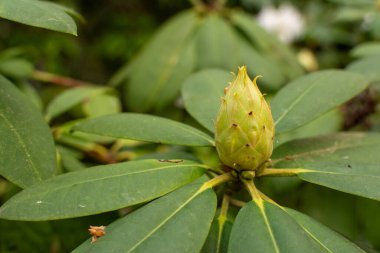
x: 268, y: 44
x: 99, y: 189
x: 219, y: 235
x: 145, y: 127
x: 177, y: 222
x: 155, y: 76
x: 16, y: 68
x: 70, y: 98
x: 368, y: 67
x: 332, y: 241
x: 328, y: 123
x: 217, y: 35
x: 347, y: 162
x: 101, y: 104
x: 310, y: 96
x: 38, y: 13
x: 202, y: 92
x: 213, y: 37
x: 258, y: 64
x: 366, y: 49
x: 27, y: 153
x: 267, y: 228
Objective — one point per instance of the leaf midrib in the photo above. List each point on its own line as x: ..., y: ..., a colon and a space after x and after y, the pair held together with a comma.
x: 323, y: 151
x: 23, y: 146
x: 154, y: 230
x: 120, y: 175
x: 295, y: 102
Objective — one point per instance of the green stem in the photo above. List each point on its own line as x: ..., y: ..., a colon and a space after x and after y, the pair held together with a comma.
x: 281, y: 172
x: 58, y: 80
x: 251, y: 188
x: 222, y: 219
x: 216, y: 181
x: 237, y: 202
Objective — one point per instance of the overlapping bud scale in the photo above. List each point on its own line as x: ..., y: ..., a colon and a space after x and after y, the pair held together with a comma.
x: 244, y: 125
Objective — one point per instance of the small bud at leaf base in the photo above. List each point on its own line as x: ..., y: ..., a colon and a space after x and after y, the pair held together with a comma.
x: 244, y: 125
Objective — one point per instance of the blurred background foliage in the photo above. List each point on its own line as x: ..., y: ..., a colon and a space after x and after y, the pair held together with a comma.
x: 334, y: 34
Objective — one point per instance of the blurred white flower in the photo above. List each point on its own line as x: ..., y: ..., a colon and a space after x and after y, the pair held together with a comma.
x: 286, y: 21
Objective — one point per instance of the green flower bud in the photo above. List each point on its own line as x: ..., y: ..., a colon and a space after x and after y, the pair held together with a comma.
x: 244, y: 125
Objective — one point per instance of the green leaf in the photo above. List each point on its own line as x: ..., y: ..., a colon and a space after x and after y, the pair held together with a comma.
x: 267, y: 227
x: 366, y: 49
x: 144, y: 127
x: 330, y: 122
x: 99, y: 189
x: 38, y: 13
x: 69, y: 99
x: 101, y: 104
x: 213, y: 37
x: 347, y: 162
x: 258, y: 64
x: 177, y: 222
x: 368, y: 67
x: 27, y: 152
x: 337, y: 209
x: 16, y: 68
x: 216, y: 35
x: 312, y: 95
x: 268, y: 44
x: 156, y: 75
x: 202, y: 92
x: 219, y: 235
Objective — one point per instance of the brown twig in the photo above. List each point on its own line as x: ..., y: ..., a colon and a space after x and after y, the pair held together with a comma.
x: 58, y: 79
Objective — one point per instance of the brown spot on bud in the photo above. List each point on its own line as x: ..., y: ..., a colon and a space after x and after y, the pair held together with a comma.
x: 234, y: 125
x: 250, y: 113
x: 247, y: 145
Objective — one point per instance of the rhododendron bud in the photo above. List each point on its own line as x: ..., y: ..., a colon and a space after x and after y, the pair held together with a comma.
x: 244, y: 125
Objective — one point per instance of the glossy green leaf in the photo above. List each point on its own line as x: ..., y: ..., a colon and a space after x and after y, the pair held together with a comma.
x: 99, y: 189
x: 347, y: 162
x: 312, y: 95
x: 144, y: 127
x: 101, y: 104
x: 337, y: 209
x: 330, y: 122
x: 268, y: 228
x: 366, y: 49
x: 219, y: 235
x: 368, y: 67
x: 177, y: 222
x: 27, y: 152
x: 268, y: 44
x: 258, y: 64
x: 214, y: 36
x: 38, y: 13
x: 154, y: 78
x: 16, y: 68
x: 70, y: 98
x: 202, y: 92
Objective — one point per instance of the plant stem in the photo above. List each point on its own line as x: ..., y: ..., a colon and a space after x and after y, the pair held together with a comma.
x: 59, y: 80
x: 216, y: 181
x: 281, y: 172
x: 222, y: 219
x: 237, y: 202
x: 251, y: 188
